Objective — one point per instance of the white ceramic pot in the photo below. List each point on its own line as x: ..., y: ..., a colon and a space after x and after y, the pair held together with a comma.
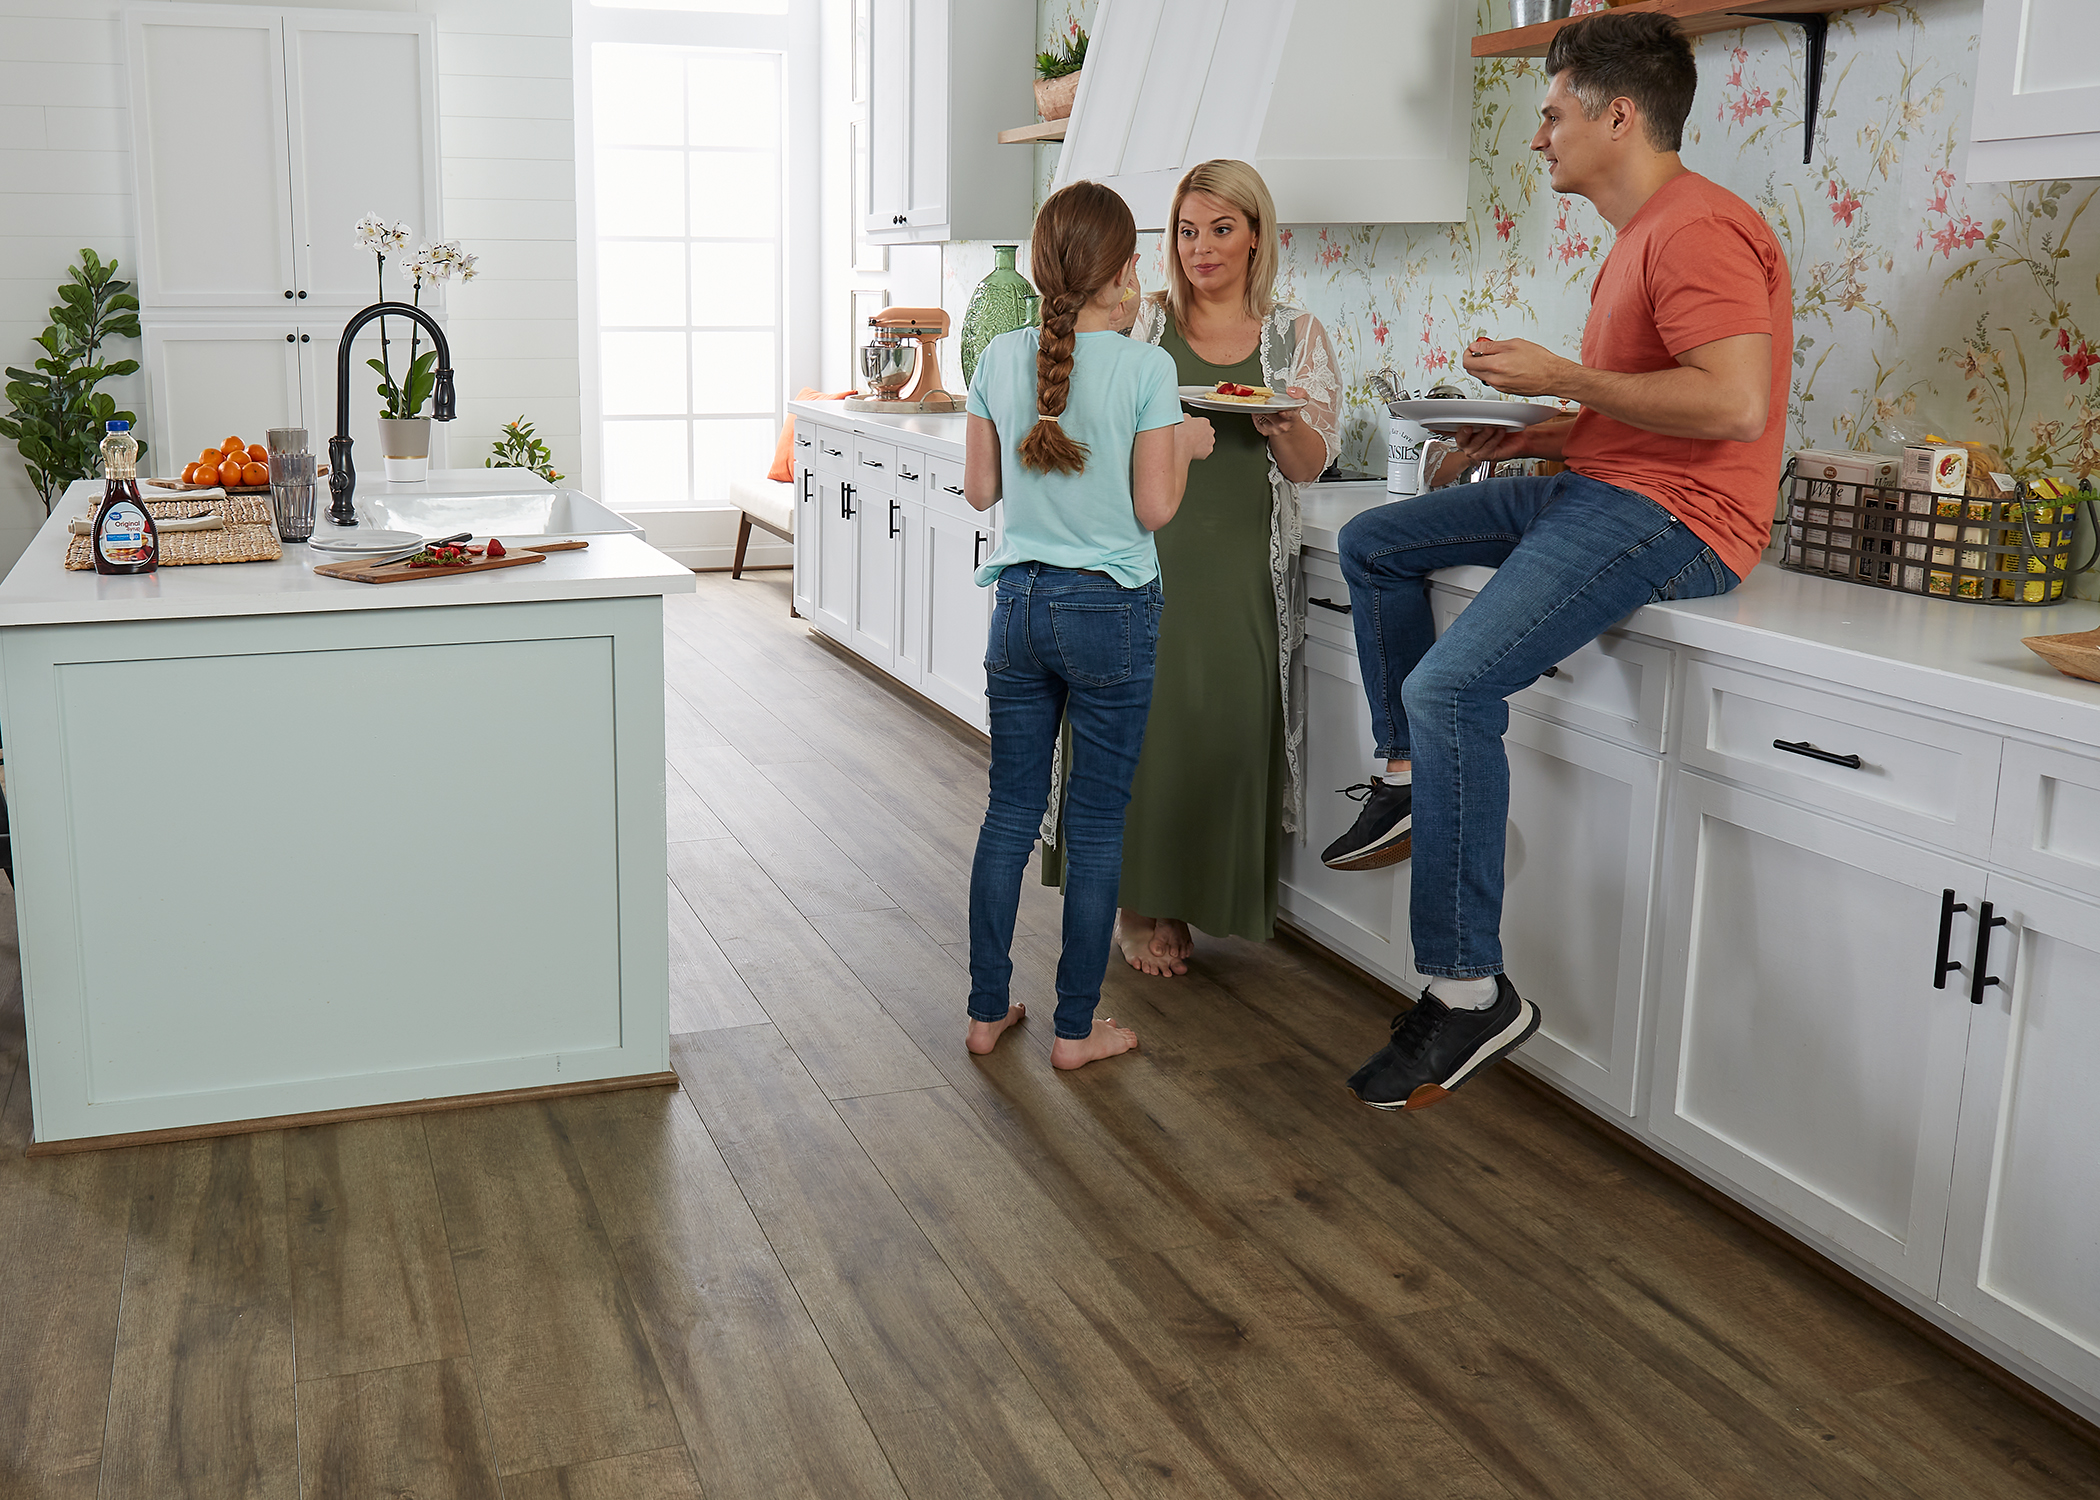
x: 405, y: 444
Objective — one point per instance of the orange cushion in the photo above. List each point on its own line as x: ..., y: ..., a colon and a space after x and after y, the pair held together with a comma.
x: 783, y: 470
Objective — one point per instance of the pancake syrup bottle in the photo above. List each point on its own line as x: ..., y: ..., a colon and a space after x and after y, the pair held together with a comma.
x: 123, y: 538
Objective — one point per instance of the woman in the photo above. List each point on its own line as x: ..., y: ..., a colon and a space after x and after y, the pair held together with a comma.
x: 1220, y: 780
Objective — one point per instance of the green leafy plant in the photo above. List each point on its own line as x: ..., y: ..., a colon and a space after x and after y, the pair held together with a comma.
x: 58, y: 416
x: 519, y: 449
x: 1069, y: 56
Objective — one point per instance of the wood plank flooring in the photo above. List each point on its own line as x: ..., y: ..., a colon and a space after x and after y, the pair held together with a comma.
x: 847, y: 1259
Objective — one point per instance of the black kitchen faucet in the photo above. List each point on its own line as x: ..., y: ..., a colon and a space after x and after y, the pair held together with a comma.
x: 342, y: 477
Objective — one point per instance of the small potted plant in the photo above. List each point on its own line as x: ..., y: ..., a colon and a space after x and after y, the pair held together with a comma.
x: 1057, y: 73
x: 404, y: 432
x: 519, y: 448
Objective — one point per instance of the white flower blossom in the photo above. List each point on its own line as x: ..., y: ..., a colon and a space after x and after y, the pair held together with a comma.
x: 398, y: 237
x: 437, y: 260
x: 371, y: 233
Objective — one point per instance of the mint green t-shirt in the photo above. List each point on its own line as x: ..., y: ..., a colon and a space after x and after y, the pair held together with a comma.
x: 1120, y: 388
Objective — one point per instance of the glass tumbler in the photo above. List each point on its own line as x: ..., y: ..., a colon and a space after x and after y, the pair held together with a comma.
x: 292, y: 495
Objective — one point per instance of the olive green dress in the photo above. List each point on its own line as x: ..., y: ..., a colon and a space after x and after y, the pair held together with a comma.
x: 1203, y: 837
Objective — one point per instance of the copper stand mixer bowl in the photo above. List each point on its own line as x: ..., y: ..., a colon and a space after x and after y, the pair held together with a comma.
x: 887, y: 364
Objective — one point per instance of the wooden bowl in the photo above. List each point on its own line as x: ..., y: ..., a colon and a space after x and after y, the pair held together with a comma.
x: 2073, y: 655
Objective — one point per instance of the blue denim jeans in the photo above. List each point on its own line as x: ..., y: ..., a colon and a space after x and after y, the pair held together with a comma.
x: 1573, y: 557
x: 1064, y: 645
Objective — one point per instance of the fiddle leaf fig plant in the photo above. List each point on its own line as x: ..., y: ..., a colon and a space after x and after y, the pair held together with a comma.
x: 58, y: 414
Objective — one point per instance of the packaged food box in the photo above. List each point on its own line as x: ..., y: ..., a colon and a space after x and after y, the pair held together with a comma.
x: 1942, y: 468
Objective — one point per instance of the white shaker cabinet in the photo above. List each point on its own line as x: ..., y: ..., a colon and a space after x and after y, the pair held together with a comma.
x: 1803, y: 1053
x: 197, y: 373
x: 2037, y: 92
x: 260, y: 137
x: 831, y: 595
x: 878, y: 576
x: 944, y: 78
x: 956, y: 614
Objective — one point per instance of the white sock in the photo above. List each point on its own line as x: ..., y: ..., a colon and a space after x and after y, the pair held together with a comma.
x: 1465, y: 994
x: 1396, y: 778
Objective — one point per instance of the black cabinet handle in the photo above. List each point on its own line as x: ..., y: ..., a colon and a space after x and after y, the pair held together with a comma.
x: 305, y: 338
x: 291, y: 338
x: 801, y: 442
x: 1550, y: 672
x: 904, y: 473
x: 1340, y: 609
x: 977, y: 554
x: 871, y: 463
x: 1979, y: 981
x: 893, y: 519
x: 1849, y: 762
x: 302, y: 296
x: 287, y: 294
x: 953, y: 489
x: 835, y: 452
x: 1942, y: 965
x: 845, y: 502
x: 806, y: 476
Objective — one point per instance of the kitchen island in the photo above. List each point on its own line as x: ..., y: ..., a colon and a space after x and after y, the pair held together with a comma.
x: 292, y: 846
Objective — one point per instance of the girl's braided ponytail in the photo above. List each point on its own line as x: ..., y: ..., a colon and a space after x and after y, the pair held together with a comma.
x: 1084, y: 236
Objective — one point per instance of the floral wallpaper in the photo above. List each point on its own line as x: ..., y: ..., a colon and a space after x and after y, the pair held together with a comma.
x: 1921, y: 303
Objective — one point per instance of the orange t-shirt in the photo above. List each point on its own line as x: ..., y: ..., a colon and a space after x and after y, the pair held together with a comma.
x: 1695, y: 264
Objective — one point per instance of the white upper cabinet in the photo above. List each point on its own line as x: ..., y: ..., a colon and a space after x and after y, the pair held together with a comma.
x: 260, y: 137
x: 2037, y: 91
x: 1354, y: 111
x: 944, y: 78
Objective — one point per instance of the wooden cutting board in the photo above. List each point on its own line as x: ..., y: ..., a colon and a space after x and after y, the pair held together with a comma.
x: 397, y: 572
x: 2076, y: 655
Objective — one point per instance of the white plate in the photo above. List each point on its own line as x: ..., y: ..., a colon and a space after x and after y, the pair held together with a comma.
x: 1450, y: 415
x: 1203, y: 398
x: 361, y: 543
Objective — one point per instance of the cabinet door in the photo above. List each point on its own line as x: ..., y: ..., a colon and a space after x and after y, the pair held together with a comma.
x: 889, y: 114
x: 205, y: 380
x: 1803, y: 1056
x: 957, y: 614
x: 807, y: 553
x: 2037, y: 91
x: 878, y: 577
x: 1362, y: 913
x: 212, y: 163
x: 1584, y: 816
x: 926, y: 124
x: 2023, y: 1238
x: 832, y: 597
x: 361, y: 96
x: 910, y: 665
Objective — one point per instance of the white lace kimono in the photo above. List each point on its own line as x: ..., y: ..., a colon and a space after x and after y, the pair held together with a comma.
x: 1294, y: 352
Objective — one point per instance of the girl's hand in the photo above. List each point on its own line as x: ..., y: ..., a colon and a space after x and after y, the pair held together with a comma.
x: 1276, y: 424
x: 1196, y: 437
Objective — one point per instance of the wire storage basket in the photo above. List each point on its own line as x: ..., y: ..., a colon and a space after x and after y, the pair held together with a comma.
x: 2015, y: 550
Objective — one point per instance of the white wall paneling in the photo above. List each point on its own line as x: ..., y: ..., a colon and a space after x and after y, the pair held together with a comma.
x: 2037, y: 91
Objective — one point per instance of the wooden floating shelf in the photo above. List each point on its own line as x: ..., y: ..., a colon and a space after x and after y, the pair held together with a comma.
x: 1696, y: 16
x: 1026, y: 135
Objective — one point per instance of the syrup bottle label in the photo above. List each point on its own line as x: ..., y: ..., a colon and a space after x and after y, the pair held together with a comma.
x: 123, y: 538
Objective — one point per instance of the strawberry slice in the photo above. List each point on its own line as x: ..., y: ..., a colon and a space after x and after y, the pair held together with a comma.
x: 496, y: 548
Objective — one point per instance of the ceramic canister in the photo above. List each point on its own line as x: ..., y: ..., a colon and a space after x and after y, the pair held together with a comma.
x: 1403, y: 454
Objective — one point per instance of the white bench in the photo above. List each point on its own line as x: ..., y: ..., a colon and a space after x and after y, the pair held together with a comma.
x: 767, y: 504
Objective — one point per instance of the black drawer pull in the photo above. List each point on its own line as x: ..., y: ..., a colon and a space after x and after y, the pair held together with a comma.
x: 806, y: 477
x: 871, y: 463
x: 953, y: 489
x: 1849, y: 762
x: 903, y: 473
x: 1942, y: 966
x: 835, y: 452
x: 845, y: 502
x: 1550, y: 672
x: 1340, y: 609
x: 893, y: 519
x: 801, y: 442
x: 977, y: 553
x: 1978, y: 980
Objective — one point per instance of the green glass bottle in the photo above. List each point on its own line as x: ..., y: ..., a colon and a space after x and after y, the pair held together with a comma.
x: 999, y: 305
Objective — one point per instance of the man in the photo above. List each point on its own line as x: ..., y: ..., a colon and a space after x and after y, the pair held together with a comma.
x: 1672, y: 468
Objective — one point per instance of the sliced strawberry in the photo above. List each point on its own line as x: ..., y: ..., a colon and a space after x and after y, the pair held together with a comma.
x: 496, y: 548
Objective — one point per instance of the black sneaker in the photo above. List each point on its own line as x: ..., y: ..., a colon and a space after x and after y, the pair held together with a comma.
x: 1383, y: 833
x: 1435, y: 1049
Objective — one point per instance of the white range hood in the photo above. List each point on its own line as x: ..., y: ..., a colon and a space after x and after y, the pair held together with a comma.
x: 1354, y: 111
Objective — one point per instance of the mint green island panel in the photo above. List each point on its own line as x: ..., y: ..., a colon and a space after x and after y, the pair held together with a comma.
x: 317, y: 856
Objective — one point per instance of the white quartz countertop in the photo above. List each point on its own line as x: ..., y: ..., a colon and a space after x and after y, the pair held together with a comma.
x: 938, y: 434
x: 1963, y: 659
x: 39, y: 591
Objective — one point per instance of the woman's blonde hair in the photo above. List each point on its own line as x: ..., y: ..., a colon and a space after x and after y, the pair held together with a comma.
x: 1237, y: 184
x: 1084, y: 237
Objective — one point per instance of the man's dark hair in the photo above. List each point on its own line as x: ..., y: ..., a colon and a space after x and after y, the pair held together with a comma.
x: 1635, y: 55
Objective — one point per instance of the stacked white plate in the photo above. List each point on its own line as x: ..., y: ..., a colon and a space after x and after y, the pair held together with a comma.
x: 365, y: 546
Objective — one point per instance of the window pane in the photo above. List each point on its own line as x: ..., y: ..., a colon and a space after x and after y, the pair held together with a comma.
x: 733, y: 284
x: 733, y: 99
x: 730, y: 450
x: 733, y: 372
x: 642, y: 373
x: 638, y: 95
x: 645, y: 463
x: 736, y: 193
x: 641, y: 284
x: 640, y: 192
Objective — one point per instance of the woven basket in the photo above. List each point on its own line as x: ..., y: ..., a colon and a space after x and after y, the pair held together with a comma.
x: 249, y: 535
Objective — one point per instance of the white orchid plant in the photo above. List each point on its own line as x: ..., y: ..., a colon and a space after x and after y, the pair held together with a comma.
x: 434, y: 260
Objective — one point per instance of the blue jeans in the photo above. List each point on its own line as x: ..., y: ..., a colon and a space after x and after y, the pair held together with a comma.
x: 1064, y: 645
x: 1573, y: 557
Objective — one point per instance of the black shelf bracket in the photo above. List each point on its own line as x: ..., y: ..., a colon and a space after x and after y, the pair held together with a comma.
x: 1817, y: 30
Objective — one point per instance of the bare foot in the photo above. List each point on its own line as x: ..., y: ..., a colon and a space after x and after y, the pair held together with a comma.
x: 1172, y: 942
x: 1108, y: 1039
x: 1139, y: 938
x: 984, y: 1035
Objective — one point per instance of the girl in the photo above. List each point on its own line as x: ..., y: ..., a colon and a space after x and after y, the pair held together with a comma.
x: 1080, y: 431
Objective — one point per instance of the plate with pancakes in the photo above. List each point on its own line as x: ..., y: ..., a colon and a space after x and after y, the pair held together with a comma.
x: 1227, y: 397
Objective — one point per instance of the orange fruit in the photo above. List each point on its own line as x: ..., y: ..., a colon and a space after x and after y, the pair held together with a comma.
x: 209, y: 458
x: 189, y: 475
x: 232, y: 446
x: 254, y: 474
x: 230, y: 472
x: 259, y: 453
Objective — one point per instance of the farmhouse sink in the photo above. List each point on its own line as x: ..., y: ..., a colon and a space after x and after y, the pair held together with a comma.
x: 521, y: 512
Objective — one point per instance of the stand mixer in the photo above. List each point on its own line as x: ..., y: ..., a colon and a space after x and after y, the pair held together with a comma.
x: 888, y: 360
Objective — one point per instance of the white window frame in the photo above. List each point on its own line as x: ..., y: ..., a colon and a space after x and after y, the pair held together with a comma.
x: 795, y: 36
